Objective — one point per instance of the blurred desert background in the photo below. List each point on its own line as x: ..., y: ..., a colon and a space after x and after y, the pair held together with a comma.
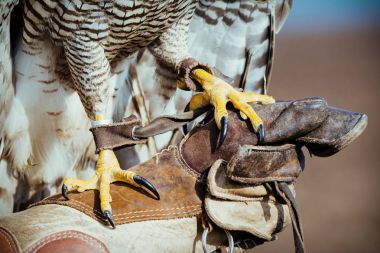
x: 331, y: 49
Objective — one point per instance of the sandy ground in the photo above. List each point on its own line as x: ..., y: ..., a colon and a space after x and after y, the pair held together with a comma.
x: 337, y: 196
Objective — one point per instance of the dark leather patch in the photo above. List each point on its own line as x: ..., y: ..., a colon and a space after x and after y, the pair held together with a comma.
x: 179, y: 187
x: 68, y: 241
x: 260, y: 164
x: 116, y: 134
x: 7, y: 242
x: 339, y: 129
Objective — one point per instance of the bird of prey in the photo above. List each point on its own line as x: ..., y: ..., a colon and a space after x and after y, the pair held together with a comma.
x: 69, y: 67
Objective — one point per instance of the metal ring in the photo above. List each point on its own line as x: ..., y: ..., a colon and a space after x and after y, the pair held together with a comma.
x: 229, y: 237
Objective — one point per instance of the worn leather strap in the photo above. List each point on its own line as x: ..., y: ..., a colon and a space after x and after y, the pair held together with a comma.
x: 116, y: 134
x: 168, y: 123
x: 130, y: 132
x: 285, y: 195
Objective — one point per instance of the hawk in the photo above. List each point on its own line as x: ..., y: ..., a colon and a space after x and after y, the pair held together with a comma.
x: 76, y: 63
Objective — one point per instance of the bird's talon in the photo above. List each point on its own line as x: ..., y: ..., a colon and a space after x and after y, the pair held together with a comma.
x: 218, y: 93
x: 261, y: 134
x: 64, y: 192
x: 223, y: 131
x: 108, y: 215
x: 142, y: 181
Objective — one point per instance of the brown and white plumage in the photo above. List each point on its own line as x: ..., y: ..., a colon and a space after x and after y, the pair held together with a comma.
x: 66, y: 43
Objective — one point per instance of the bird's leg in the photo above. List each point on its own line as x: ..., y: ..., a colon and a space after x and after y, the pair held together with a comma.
x: 218, y: 93
x: 107, y: 171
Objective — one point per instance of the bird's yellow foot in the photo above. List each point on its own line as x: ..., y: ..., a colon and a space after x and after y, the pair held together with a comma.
x: 218, y: 93
x: 107, y: 171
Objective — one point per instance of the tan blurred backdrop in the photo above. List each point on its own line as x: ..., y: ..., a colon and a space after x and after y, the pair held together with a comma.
x: 339, y: 196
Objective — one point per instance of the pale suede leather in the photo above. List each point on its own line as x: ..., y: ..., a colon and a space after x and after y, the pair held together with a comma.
x: 29, y: 227
x: 242, y: 207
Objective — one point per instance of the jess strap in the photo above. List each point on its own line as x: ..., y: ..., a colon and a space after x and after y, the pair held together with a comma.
x: 130, y: 132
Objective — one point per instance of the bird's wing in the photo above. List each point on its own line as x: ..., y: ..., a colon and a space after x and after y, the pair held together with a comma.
x: 237, y: 38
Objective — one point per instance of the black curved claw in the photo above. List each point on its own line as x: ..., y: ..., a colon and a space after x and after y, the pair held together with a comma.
x: 261, y: 133
x: 108, y: 215
x: 64, y: 192
x: 223, y: 131
x: 184, y: 127
x: 142, y: 181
